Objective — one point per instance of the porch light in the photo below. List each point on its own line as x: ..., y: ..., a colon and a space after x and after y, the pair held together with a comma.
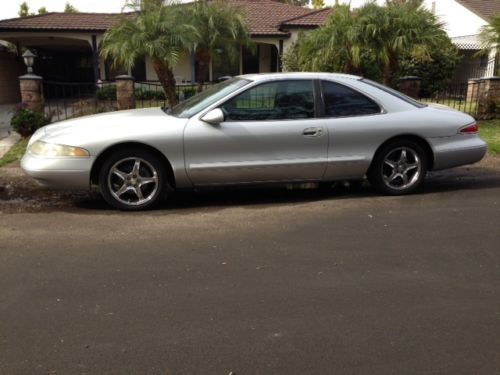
x: 29, y: 60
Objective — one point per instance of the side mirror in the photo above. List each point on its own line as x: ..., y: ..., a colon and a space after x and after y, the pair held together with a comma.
x: 214, y: 117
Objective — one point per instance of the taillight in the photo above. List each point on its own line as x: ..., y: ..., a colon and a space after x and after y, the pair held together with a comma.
x: 469, y: 129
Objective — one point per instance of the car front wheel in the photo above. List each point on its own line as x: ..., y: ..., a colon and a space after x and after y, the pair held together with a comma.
x: 132, y: 180
x: 398, y: 168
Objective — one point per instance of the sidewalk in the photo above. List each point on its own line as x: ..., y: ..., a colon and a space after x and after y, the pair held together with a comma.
x: 7, y: 142
x: 7, y: 137
x: 6, y: 112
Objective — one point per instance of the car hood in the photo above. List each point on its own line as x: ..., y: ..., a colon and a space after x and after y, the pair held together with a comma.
x: 112, y: 127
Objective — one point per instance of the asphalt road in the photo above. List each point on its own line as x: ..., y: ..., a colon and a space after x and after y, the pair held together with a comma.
x: 258, y: 282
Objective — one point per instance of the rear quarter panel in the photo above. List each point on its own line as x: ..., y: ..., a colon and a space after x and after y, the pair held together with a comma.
x: 353, y: 141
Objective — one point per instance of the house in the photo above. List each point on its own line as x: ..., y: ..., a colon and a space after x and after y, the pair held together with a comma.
x: 67, y: 44
x: 463, y: 21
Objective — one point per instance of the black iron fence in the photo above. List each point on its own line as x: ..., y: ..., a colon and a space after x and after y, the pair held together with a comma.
x: 462, y: 97
x: 65, y: 100
x: 151, y: 94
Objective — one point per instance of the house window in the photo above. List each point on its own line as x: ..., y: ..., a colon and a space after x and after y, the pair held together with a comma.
x: 222, y: 66
x: 250, y: 61
x: 139, y: 70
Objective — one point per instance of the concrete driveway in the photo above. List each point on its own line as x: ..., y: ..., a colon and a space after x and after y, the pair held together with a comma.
x: 256, y: 282
x: 6, y: 112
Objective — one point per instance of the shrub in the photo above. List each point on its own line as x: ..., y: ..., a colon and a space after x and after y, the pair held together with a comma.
x: 107, y: 92
x: 188, y: 91
x: 26, y: 122
x: 143, y: 94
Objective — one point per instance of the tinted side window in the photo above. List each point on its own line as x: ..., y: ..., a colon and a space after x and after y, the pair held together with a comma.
x: 272, y: 101
x: 341, y: 101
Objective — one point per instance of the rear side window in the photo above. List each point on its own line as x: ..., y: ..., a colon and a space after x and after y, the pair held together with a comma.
x: 342, y: 101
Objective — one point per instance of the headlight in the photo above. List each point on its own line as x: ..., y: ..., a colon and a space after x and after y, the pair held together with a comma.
x: 40, y: 148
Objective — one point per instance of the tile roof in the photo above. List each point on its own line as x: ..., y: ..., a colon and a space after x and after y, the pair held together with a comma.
x: 62, y: 21
x: 314, y: 19
x: 467, y: 42
x: 483, y: 8
x: 264, y: 17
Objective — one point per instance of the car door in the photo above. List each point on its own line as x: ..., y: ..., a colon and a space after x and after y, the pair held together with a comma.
x: 270, y: 133
x: 354, y: 121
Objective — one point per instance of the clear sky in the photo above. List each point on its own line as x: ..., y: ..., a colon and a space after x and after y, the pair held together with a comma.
x: 9, y: 8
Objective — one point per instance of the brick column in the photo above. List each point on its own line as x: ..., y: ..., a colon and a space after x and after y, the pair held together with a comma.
x: 31, y: 92
x: 410, y: 86
x: 473, y: 86
x: 125, y: 95
x: 489, y: 97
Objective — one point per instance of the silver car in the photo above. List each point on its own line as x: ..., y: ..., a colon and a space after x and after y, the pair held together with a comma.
x: 255, y: 129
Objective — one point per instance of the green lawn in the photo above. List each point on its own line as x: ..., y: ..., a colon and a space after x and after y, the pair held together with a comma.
x: 15, y: 153
x: 490, y: 132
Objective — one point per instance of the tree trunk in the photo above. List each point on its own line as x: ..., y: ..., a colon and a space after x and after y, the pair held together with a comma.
x: 167, y: 80
x: 203, y: 58
x: 391, y: 70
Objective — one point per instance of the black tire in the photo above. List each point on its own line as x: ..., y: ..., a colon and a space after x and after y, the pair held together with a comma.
x: 133, y: 180
x: 399, y: 168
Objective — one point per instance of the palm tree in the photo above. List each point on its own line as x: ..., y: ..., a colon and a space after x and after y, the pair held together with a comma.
x: 490, y: 34
x: 373, y: 36
x: 157, y: 31
x: 220, y: 27
x: 333, y: 47
x: 401, y: 27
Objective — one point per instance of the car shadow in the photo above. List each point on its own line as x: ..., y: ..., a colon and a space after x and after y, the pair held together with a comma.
x: 436, y: 182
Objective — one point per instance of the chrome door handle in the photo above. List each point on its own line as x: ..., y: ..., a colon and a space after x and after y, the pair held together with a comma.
x: 313, y: 132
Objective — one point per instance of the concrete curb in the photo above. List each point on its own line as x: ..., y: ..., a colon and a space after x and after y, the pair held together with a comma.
x: 7, y: 143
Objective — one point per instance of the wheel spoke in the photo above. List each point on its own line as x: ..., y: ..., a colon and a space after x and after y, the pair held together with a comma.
x: 136, y: 168
x: 138, y: 192
x: 404, y: 176
x: 391, y: 177
x: 403, y: 156
x: 390, y: 163
x: 119, y: 173
x: 409, y: 167
x: 148, y: 180
x: 124, y: 188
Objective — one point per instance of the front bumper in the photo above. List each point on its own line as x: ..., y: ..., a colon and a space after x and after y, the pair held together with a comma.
x: 59, y: 173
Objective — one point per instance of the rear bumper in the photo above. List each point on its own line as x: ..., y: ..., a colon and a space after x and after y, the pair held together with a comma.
x: 458, y: 150
x: 58, y: 173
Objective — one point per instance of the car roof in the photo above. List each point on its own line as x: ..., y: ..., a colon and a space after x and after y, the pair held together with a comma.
x: 301, y: 75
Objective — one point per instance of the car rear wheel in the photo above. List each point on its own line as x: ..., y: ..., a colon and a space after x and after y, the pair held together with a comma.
x: 132, y: 180
x: 398, y: 168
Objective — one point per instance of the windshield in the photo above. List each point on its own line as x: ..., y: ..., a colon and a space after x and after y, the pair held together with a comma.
x: 395, y: 93
x: 207, y: 97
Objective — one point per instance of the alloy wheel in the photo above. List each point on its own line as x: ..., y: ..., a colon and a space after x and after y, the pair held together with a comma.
x: 133, y: 181
x: 401, y: 168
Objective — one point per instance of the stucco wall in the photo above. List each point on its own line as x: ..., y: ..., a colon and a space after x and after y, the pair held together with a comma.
x: 10, y: 69
x: 182, y: 70
x: 459, y: 21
